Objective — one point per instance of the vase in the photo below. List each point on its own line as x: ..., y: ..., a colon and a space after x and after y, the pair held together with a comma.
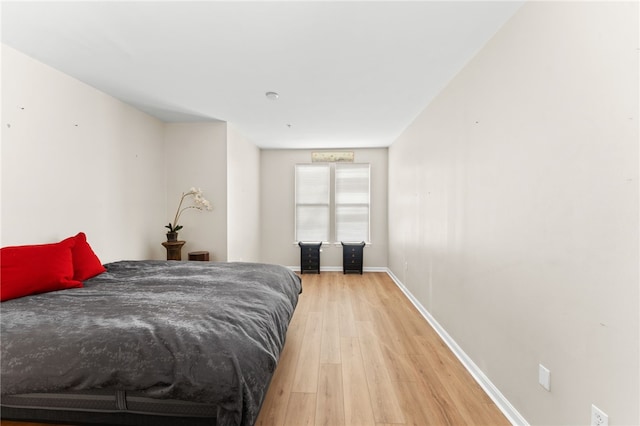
x: 172, y: 236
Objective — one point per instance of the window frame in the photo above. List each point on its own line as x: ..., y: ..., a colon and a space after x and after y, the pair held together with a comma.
x: 297, y: 204
x: 367, y: 240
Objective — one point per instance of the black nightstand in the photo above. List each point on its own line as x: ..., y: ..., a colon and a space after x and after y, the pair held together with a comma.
x: 309, y: 257
x: 352, y: 257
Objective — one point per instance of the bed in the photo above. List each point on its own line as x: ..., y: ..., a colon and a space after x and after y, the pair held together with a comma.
x: 148, y: 342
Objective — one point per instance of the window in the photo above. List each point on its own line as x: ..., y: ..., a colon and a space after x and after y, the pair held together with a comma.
x: 352, y: 202
x: 312, y: 202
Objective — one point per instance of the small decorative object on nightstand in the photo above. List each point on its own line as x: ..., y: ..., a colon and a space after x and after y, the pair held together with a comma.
x: 309, y: 257
x: 174, y: 249
x: 199, y: 255
x: 352, y: 257
x: 198, y: 203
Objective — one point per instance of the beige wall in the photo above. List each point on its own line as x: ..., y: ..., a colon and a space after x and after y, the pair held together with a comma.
x: 277, y: 183
x: 513, y: 210
x: 74, y: 159
x: 197, y: 157
x: 513, y: 199
x: 243, y: 195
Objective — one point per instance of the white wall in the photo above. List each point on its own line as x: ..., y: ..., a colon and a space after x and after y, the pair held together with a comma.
x: 196, y: 156
x: 75, y: 159
x: 277, y: 181
x: 513, y: 210
x: 243, y: 198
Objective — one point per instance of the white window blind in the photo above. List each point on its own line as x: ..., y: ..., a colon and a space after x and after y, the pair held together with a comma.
x: 352, y: 202
x: 312, y: 202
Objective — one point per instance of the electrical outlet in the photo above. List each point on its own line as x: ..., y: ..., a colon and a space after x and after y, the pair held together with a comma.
x: 598, y: 417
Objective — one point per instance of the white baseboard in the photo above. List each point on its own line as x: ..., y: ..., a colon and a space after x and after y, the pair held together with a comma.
x: 322, y: 268
x: 375, y: 269
x: 498, y: 398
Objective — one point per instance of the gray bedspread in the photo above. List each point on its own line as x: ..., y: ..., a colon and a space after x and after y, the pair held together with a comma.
x: 196, y: 331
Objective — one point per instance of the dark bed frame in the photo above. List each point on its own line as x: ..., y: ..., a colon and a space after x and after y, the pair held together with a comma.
x: 105, y: 408
x: 105, y: 419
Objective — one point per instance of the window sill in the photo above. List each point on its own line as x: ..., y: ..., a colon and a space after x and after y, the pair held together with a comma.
x: 338, y: 244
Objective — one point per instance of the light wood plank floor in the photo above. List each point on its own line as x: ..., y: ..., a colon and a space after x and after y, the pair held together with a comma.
x: 358, y: 353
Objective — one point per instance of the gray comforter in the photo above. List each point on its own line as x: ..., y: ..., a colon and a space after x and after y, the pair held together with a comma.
x: 196, y: 331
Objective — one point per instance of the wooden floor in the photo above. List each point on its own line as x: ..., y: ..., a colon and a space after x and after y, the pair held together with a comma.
x: 358, y: 353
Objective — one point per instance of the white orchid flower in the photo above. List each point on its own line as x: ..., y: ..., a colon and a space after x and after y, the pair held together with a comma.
x: 199, y: 202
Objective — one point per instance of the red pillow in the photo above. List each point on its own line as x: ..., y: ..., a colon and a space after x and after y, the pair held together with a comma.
x: 85, y: 262
x: 33, y: 269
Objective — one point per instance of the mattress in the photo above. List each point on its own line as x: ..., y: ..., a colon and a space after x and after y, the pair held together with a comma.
x: 149, y: 340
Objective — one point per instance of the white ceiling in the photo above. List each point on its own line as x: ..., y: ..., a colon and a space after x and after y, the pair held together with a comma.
x: 349, y: 74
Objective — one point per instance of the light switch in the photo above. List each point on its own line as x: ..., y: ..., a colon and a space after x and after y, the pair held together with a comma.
x: 544, y: 377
